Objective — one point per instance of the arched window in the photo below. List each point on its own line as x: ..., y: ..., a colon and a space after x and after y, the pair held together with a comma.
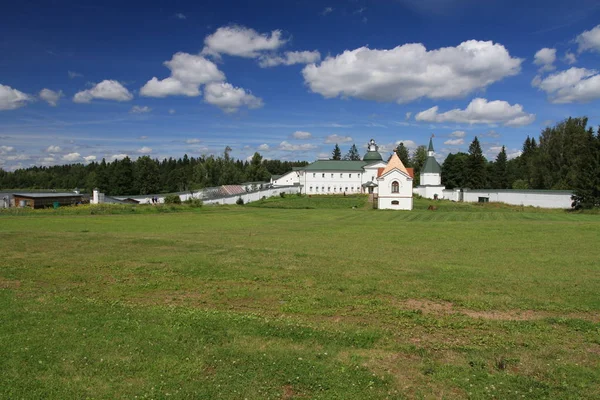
x: 395, y: 187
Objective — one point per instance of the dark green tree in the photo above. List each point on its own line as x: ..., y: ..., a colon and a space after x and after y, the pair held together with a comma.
x: 353, y: 154
x: 417, y: 161
x: 146, y: 173
x: 402, y: 153
x: 476, y: 166
x: 454, y: 170
x: 500, y: 171
x: 337, y: 153
x: 587, y: 181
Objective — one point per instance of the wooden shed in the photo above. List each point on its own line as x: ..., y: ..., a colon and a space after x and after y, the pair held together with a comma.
x: 46, y: 200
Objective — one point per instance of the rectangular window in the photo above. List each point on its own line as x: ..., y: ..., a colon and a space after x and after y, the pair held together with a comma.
x: 346, y: 188
x: 317, y: 189
x: 484, y: 200
x: 311, y: 188
x: 329, y: 189
x: 322, y: 175
x: 341, y: 175
x: 332, y: 175
x: 314, y: 175
x: 349, y: 175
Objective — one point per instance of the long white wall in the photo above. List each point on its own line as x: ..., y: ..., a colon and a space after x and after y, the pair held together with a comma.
x: 255, y: 196
x: 536, y: 198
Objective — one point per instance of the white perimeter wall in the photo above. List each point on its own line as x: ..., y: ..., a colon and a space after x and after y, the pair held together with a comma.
x: 254, y: 196
x: 536, y: 198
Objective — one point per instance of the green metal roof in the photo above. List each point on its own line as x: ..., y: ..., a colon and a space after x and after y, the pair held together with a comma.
x: 431, y: 165
x: 372, y: 156
x: 334, y: 165
x: 430, y: 145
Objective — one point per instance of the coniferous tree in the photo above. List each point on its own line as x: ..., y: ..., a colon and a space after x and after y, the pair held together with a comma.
x: 454, y: 170
x: 353, y: 154
x: 417, y: 161
x: 337, y: 153
x: 500, y: 171
x: 476, y: 166
x: 402, y: 153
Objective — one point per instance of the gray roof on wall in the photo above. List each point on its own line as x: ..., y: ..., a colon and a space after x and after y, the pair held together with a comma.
x: 46, y: 195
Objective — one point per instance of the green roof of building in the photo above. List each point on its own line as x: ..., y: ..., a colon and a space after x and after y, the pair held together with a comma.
x: 372, y: 156
x: 430, y: 145
x: 334, y: 165
x: 431, y: 166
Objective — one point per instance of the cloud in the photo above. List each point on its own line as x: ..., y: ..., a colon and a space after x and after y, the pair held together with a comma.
x: 53, y: 149
x: 408, y: 114
x: 327, y: 10
x: 143, y: 137
x: 89, y: 158
x: 145, y: 150
x: 115, y: 157
x: 575, y: 85
x: 71, y: 157
x: 589, y: 40
x: 481, y: 111
x: 11, y: 99
x: 140, y: 110
x: 338, y: 139
x: 6, y: 149
x: 570, y: 58
x: 74, y: 75
x: 492, y: 134
x: 454, y: 142
x: 229, y: 98
x: 545, y: 59
x: 410, y: 72
x: 263, y: 147
x: 287, y: 146
x: 180, y: 16
x: 50, y: 96
x: 171, y: 111
x: 105, y: 90
x: 193, y: 141
x: 289, y: 58
x: 240, y: 41
x: 188, y: 72
x: 360, y: 10
x: 301, y: 135
x: 458, y: 134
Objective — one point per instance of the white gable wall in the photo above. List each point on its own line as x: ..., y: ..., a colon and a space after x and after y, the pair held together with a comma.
x: 289, y: 179
x: 387, y: 198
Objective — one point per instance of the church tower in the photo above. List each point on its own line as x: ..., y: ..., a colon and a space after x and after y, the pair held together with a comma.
x: 373, y: 154
x: 431, y: 174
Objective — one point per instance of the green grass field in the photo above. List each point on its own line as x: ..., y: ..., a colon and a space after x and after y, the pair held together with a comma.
x: 301, y: 298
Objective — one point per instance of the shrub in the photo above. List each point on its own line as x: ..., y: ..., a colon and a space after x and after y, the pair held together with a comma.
x: 239, y: 201
x: 172, y: 199
x: 282, y: 195
x: 195, y: 203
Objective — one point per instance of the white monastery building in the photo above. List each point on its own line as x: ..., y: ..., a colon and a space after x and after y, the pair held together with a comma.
x: 389, y: 183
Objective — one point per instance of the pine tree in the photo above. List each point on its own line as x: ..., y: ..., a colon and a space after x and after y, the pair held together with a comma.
x: 417, y: 161
x: 476, y: 166
x: 146, y: 175
x: 337, y: 153
x: 402, y: 153
x: 500, y: 177
x: 353, y: 154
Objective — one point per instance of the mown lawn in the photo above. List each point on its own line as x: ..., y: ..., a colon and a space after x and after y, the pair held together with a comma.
x: 329, y: 302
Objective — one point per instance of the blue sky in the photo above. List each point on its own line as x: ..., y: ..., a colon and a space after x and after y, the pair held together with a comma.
x: 82, y: 80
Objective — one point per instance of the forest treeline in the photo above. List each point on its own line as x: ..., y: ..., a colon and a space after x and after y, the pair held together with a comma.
x: 147, y: 175
x: 565, y: 156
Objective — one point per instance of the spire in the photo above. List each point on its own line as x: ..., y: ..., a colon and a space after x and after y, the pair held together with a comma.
x: 394, y: 163
x: 430, y: 144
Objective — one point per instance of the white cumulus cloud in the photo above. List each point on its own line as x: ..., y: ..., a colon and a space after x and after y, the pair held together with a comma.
x: 338, y: 139
x: 188, y: 72
x: 263, y: 147
x: 570, y: 58
x: 53, y: 149
x: 71, y: 157
x: 11, y: 99
x: 192, y: 141
x: 140, y: 110
x: 481, y: 111
x: 289, y: 58
x: 89, y: 158
x: 589, y: 40
x: 230, y: 98
x: 105, y: 90
x: 118, y: 156
x: 145, y: 150
x: 301, y: 135
x: 50, y: 96
x: 6, y: 149
x: 287, y: 146
x: 545, y: 59
x: 575, y: 85
x: 241, y: 42
x: 409, y: 72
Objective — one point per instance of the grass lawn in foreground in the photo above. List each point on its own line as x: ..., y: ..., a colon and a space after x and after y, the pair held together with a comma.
x: 331, y: 302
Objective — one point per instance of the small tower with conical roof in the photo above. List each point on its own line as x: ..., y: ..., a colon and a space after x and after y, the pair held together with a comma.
x: 431, y: 173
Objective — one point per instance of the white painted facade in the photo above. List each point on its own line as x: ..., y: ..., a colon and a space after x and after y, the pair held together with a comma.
x: 395, y: 191
x: 289, y: 179
x: 431, y: 179
x: 430, y: 192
